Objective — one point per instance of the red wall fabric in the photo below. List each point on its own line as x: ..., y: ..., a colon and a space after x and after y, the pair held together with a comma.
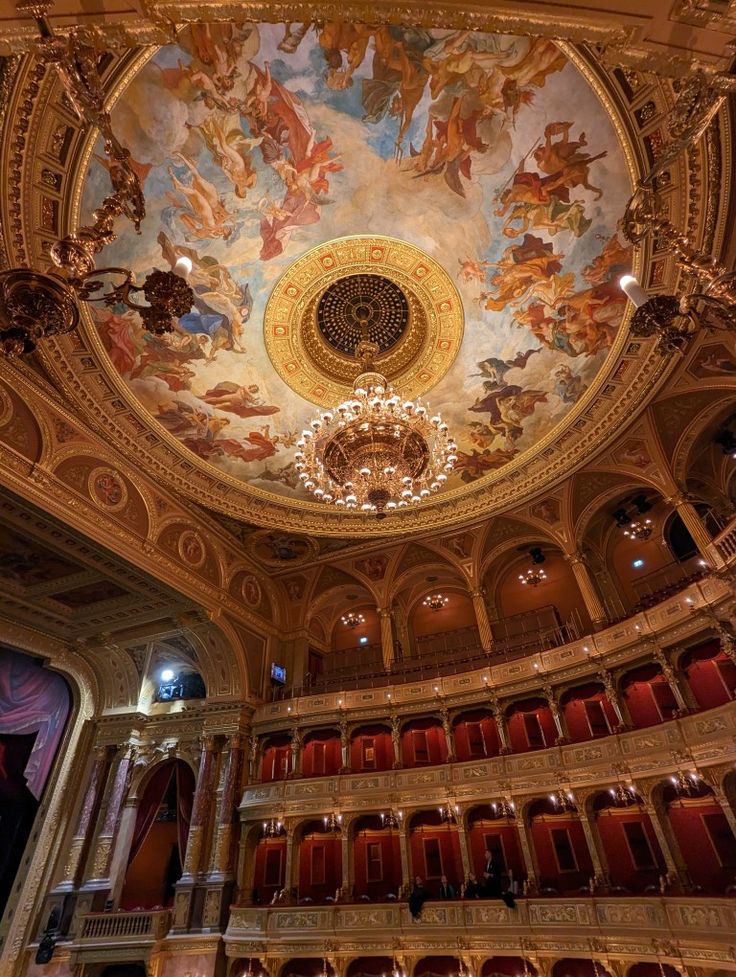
x: 389, y: 866
x: 476, y: 736
x: 33, y: 700
x: 517, y: 726
x: 145, y: 878
x: 371, y: 738
x: 276, y: 763
x: 445, y: 837
x: 330, y: 857
x: 321, y: 756
x: 688, y: 817
x: 423, y: 743
x: 550, y: 873
x: 507, y: 967
x: 503, y: 834
x: 269, y: 852
x: 622, y: 867
x: 710, y: 674
x: 576, y: 716
x: 648, y: 706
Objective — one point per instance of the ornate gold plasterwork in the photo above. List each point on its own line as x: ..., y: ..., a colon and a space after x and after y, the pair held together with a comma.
x: 317, y: 370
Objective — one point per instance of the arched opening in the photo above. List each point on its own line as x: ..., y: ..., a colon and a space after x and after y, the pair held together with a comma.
x: 530, y: 725
x: 437, y: 967
x: 587, y: 712
x: 269, y: 861
x: 648, y: 696
x: 634, y: 858
x: 276, y: 761
x: 321, y: 755
x: 376, y: 859
x: 704, y: 835
x: 445, y: 628
x: 563, y: 857
x: 652, y: 970
x: 371, y: 749
x: 710, y: 674
x: 476, y: 735
x: 508, y: 967
x: 307, y: 967
x: 34, y: 708
x: 370, y: 967
x: 573, y: 967
x: 423, y: 743
x: 435, y: 851
x: 160, y: 835
x: 495, y: 831
x: 320, y: 863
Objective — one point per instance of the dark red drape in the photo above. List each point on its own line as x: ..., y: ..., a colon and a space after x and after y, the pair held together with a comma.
x: 149, y: 805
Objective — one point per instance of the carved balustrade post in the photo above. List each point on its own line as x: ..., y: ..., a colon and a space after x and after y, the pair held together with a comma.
x: 694, y: 525
x: 671, y: 678
x: 612, y: 695
x: 80, y: 840
x: 387, y: 638
x: 481, y: 617
x: 588, y: 589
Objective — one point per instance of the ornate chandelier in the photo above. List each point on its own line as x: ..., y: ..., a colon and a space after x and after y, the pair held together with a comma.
x: 435, y: 601
x: 272, y: 828
x: 352, y: 620
x: 375, y: 452
x: 392, y: 820
x: 332, y: 821
x: 533, y: 576
x: 639, y: 529
x: 503, y: 809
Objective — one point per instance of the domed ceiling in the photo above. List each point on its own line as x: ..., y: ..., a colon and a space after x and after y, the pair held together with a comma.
x: 492, y: 162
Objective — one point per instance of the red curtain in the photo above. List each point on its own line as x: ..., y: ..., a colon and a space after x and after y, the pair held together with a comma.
x: 149, y: 805
x: 184, y: 802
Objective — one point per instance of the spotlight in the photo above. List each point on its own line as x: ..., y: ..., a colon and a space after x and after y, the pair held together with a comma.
x: 168, y: 675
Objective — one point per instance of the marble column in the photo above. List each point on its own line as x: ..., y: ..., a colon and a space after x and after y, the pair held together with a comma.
x: 200, y: 810
x: 595, y: 846
x: 671, y: 678
x: 254, y: 756
x: 291, y: 864
x: 344, y: 746
x: 296, y: 752
x: 462, y: 838
x: 221, y: 861
x: 527, y: 851
x: 671, y: 852
x: 396, y: 740
x: 694, y: 525
x: 612, y: 695
x: 500, y: 720
x: 404, y: 854
x: 554, y: 708
x: 387, y: 638
x: 449, y: 738
x: 588, y: 589
x: 728, y: 812
x: 481, y: 617
x: 346, y: 853
x: 95, y: 786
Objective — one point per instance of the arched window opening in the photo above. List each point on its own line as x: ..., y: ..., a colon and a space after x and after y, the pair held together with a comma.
x: 177, y: 684
x: 159, y: 843
x: 710, y: 674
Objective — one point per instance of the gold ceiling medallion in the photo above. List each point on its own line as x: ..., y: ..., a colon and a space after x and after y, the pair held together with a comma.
x: 407, y: 301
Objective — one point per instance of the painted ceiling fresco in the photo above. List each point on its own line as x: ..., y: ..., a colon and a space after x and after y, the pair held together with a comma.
x: 257, y: 143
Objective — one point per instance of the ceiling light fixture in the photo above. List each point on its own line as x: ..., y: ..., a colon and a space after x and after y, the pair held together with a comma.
x: 272, y: 828
x: 435, y: 601
x: 352, y: 620
x: 640, y: 529
x: 332, y: 821
x: 533, y: 576
x: 374, y: 452
x: 392, y: 820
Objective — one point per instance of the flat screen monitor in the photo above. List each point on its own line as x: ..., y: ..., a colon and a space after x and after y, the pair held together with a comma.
x: 278, y: 673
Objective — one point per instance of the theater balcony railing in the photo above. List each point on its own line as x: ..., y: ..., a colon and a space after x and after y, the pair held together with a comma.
x: 690, y: 922
x: 120, y: 936
x: 725, y: 543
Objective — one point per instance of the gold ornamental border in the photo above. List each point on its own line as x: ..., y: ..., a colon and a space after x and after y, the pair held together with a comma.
x: 436, y: 323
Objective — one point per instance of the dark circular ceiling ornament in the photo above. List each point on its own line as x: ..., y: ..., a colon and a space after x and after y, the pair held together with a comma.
x: 362, y: 307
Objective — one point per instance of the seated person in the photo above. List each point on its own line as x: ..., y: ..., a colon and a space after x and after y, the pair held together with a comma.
x: 471, y: 889
x: 447, y: 891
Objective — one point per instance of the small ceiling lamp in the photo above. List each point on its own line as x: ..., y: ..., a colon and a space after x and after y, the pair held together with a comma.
x: 333, y: 821
x: 640, y: 529
x: 352, y: 620
x: 449, y: 812
x: 435, y: 601
x: 375, y: 452
x: 503, y: 809
x: 563, y: 800
x: 623, y: 794
x: 272, y: 828
x: 392, y: 819
x: 533, y: 576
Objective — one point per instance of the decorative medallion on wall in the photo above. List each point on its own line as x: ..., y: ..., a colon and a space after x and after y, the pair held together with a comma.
x: 251, y: 591
x: 191, y: 549
x: 409, y: 304
x: 279, y: 549
x: 107, y: 489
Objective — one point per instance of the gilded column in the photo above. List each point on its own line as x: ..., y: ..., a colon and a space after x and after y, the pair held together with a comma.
x: 671, y: 678
x: 387, y: 638
x: 554, y: 708
x: 588, y: 589
x: 396, y: 740
x: 345, y: 853
x: 200, y: 809
x: 671, y: 852
x: 610, y: 688
x: 595, y: 847
x: 221, y: 862
x: 95, y: 785
x: 693, y: 523
x: 344, y: 746
x: 404, y: 853
x: 462, y: 838
x: 527, y: 852
x: 116, y: 798
x: 500, y: 720
x: 253, y: 758
x: 481, y: 617
x: 449, y: 738
x: 296, y: 752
